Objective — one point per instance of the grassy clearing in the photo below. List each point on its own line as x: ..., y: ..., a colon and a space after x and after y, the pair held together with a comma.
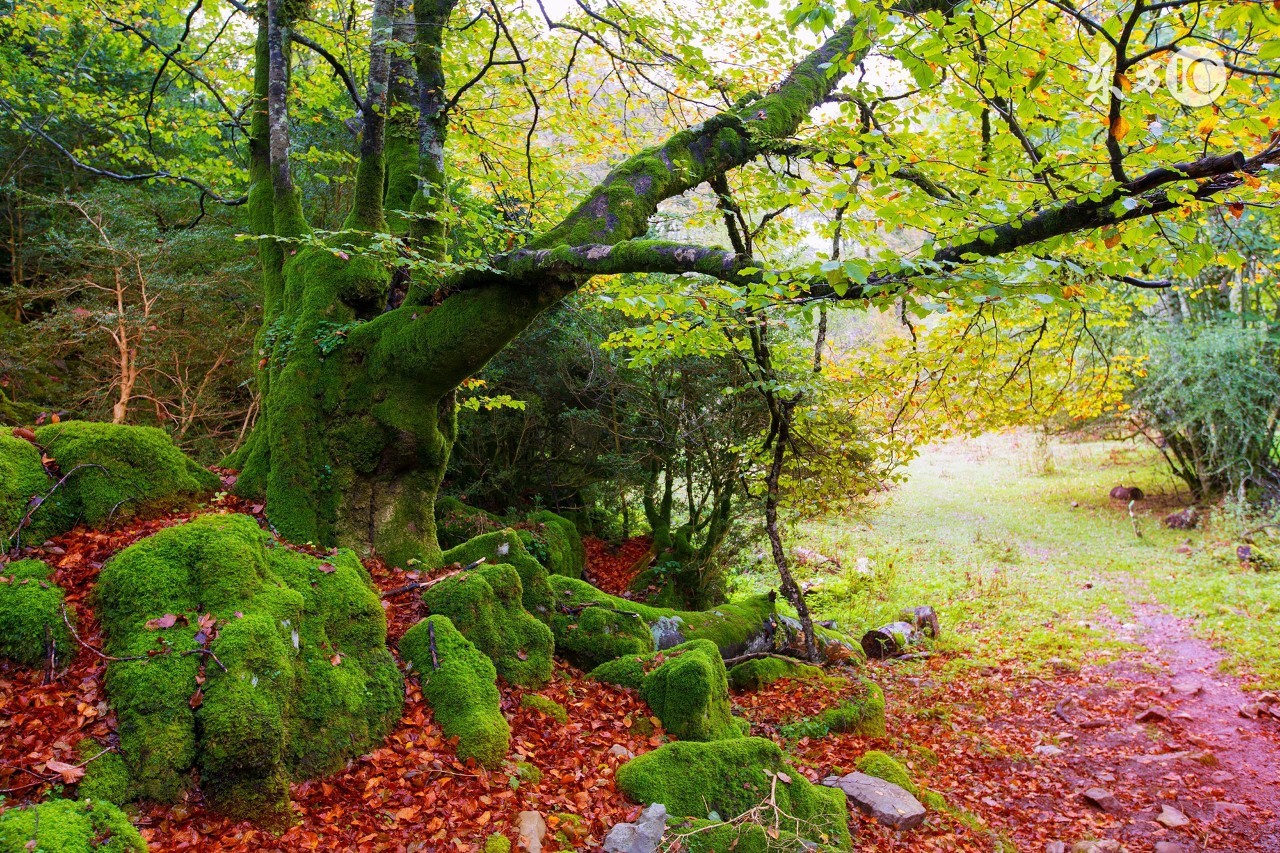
x: 1019, y: 547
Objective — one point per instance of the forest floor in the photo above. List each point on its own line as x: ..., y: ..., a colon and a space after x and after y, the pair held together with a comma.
x: 1061, y: 628
x: 1076, y: 654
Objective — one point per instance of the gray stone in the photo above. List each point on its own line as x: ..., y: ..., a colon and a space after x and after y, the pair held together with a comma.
x: 1170, y: 847
x: 1055, y: 847
x: 643, y: 836
x: 1103, y: 799
x: 1048, y: 751
x: 1096, y: 847
x: 888, y: 803
x: 1171, y: 818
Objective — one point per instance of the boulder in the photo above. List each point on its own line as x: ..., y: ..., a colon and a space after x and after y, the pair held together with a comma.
x: 460, y: 684
x: 31, y: 625
x: 761, y: 672
x: 1103, y: 799
x: 68, y: 826
x: 890, y: 804
x: 643, y: 836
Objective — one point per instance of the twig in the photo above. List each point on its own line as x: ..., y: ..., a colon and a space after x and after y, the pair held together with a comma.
x: 758, y: 655
x: 42, y: 780
x: 431, y: 638
x: 410, y: 587
x: 97, y: 652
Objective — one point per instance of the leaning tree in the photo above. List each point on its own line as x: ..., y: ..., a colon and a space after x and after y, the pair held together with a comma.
x: 977, y: 149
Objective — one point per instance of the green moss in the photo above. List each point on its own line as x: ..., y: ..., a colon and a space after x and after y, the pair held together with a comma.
x: 16, y: 414
x: 884, y: 766
x: 106, y: 777
x: 456, y: 522
x: 862, y: 714
x: 68, y: 826
x: 526, y: 774
x: 729, y: 777
x: 31, y: 615
x: 22, y: 478
x: 686, y: 686
x: 308, y: 684
x: 127, y: 470
x: 761, y: 672
x: 497, y: 844
x: 504, y: 546
x: 550, y: 707
x: 485, y: 605
x: 592, y: 627
x: 565, y: 554
x: 462, y: 691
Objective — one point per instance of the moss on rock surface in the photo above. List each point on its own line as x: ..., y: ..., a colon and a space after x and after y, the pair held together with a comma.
x: 686, y: 687
x: 456, y: 522
x: 730, y: 777
x: 884, y: 766
x: 592, y: 627
x: 861, y: 713
x: 761, y: 672
x: 128, y: 470
x: 22, y: 478
x: 31, y: 615
x: 505, y: 546
x: 565, y: 553
x: 106, y: 776
x: 68, y: 826
x: 462, y: 691
x: 485, y: 605
x: 550, y: 707
x: 308, y: 684
x: 706, y: 836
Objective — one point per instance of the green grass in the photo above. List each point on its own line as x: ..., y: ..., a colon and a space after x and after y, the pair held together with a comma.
x: 985, y: 531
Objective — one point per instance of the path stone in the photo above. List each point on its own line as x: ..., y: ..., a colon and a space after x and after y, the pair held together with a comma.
x: 888, y: 803
x: 1103, y: 799
x: 532, y: 829
x: 643, y: 836
x: 1048, y: 751
x: 1055, y: 847
x: 1096, y: 847
x: 1169, y: 847
x: 1172, y: 818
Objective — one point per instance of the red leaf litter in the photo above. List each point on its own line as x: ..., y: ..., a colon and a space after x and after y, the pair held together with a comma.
x: 612, y: 568
x: 410, y: 794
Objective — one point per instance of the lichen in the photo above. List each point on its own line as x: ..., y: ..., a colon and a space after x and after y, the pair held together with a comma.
x: 730, y: 777
x: 68, y: 826
x: 485, y: 604
x: 686, y: 687
x: 308, y: 680
x: 31, y: 615
x: 542, y: 704
x: 460, y: 684
x: 761, y: 672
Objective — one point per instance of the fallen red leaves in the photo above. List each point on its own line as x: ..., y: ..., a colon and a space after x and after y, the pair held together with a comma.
x: 612, y: 568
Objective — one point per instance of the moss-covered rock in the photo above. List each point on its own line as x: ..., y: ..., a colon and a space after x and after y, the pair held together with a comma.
x: 505, y: 546
x: 127, y: 470
x: 308, y: 682
x: 761, y: 672
x: 485, y: 604
x: 68, y: 826
x: 686, y: 687
x: 462, y: 691
x: 456, y: 522
x: 31, y: 615
x: 497, y: 844
x: 16, y: 414
x: 861, y: 712
x: 106, y: 776
x: 884, y: 766
x: 592, y: 627
x: 730, y: 777
x: 565, y: 553
x: 23, y: 478
x: 550, y: 707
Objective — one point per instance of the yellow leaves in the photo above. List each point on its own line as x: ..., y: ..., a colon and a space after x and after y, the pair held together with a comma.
x: 1119, y: 128
x: 1206, y: 126
x: 1071, y: 291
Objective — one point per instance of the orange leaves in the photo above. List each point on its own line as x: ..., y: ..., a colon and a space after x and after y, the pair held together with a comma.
x: 613, y: 568
x: 1119, y: 128
x: 69, y: 772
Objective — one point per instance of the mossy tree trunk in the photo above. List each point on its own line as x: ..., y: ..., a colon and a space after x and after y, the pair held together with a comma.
x: 357, y: 367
